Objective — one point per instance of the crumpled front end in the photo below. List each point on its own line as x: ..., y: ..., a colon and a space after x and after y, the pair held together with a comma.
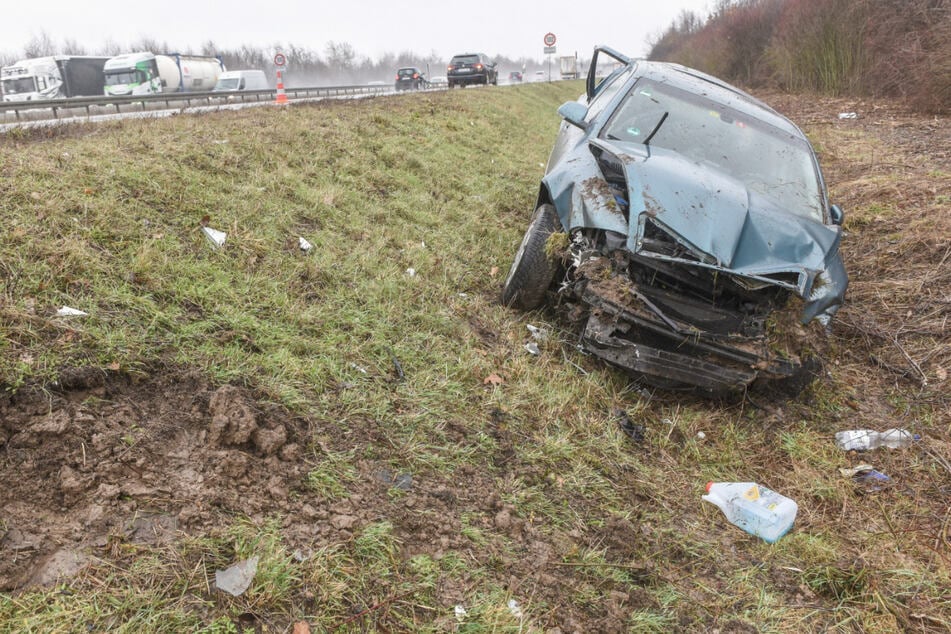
x: 679, y: 269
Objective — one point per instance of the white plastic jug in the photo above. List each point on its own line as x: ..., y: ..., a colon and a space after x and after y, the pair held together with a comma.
x: 754, y: 508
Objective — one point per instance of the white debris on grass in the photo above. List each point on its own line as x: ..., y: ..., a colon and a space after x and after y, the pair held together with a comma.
x: 305, y: 246
x: 515, y: 609
x: 540, y: 334
x: 237, y: 579
x: 217, y: 238
x: 66, y: 311
x: 532, y: 348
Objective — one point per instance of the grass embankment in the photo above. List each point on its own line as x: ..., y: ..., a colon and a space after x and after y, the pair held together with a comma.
x: 387, y: 340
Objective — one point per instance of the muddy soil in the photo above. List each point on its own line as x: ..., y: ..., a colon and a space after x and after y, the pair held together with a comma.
x: 98, y: 460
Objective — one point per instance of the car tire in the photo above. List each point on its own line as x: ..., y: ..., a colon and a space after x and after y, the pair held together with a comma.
x: 532, y: 270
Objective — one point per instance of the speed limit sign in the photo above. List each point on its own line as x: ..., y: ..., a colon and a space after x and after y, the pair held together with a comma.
x: 279, y: 59
x: 549, y: 39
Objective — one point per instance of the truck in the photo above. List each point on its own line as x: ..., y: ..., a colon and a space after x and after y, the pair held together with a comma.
x: 146, y: 73
x: 53, y: 77
x: 569, y: 66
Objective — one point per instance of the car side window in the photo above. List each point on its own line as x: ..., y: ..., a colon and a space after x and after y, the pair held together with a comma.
x: 607, y: 93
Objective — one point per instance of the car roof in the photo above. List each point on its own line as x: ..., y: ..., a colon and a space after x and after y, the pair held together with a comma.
x: 698, y: 82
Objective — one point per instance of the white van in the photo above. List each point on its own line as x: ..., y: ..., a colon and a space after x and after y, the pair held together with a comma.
x: 234, y: 80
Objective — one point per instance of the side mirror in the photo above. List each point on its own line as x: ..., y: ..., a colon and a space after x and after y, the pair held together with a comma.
x: 837, y: 215
x: 574, y: 113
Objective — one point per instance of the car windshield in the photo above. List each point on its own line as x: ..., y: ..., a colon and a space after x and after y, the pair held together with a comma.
x: 116, y: 78
x: 16, y: 86
x: 229, y: 83
x: 465, y: 59
x: 767, y: 160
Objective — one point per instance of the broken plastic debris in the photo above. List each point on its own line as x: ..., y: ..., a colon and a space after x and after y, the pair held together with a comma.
x: 305, y: 246
x: 515, y: 609
x: 634, y: 431
x: 460, y: 612
x: 537, y: 333
x: 848, y: 115
x: 237, y: 579
x: 411, y: 272
x: 701, y: 435
x: 358, y: 368
x: 532, y: 348
x: 872, y: 480
x: 66, y: 311
x: 217, y: 238
x: 849, y: 472
x: 867, y: 476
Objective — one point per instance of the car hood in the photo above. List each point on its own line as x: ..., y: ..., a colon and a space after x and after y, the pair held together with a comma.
x: 724, y: 224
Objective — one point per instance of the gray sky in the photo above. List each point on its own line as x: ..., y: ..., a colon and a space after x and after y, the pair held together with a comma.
x: 372, y: 27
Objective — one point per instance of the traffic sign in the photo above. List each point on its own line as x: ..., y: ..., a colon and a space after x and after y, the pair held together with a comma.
x: 279, y: 59
x: 549, y: 50
x: 549, y: 39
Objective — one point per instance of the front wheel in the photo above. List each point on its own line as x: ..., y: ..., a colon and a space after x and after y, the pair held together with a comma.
x: 533, y: 269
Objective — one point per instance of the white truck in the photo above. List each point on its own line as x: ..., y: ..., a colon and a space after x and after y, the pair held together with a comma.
x: 147, y: 73
x: 52, y: 77
x: 569, y: 66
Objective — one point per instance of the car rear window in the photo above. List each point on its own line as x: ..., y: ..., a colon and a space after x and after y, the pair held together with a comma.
x: 465, y: 59
x: 406, y: 72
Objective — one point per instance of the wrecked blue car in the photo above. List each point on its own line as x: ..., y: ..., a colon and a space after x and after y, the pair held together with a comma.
x: 678, y: 220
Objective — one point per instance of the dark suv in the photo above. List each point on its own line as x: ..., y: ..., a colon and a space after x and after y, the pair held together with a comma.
x: 410, y: 78
x: 471, y: 68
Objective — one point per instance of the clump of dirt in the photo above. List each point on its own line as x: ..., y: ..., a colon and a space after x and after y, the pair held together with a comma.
x: 105, y: 458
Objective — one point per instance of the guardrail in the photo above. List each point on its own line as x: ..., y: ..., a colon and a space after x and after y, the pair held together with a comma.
x: 129, y: 103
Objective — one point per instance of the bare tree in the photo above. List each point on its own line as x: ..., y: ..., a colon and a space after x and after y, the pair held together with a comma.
x: 111, y: 47
x: 40, y: 45
x: 72, y: 47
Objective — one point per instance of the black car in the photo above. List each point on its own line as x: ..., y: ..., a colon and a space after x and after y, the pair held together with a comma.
x: 694, y: 224
x: 515, y: 76
x: 471, y: 68
x: 410, y: 78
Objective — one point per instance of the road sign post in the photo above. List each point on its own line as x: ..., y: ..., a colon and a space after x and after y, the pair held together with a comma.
x: 549, y: 41
x: 279, y: 61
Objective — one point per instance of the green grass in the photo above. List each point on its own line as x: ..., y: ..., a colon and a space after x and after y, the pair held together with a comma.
x: 553, y: 506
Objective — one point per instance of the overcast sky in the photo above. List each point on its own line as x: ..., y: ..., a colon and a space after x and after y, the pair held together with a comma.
x: 372, y: 27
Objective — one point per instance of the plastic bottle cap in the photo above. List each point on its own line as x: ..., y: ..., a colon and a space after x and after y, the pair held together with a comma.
x: 709, y: 486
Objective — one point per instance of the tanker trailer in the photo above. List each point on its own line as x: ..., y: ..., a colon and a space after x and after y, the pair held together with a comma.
x: 146, y: 73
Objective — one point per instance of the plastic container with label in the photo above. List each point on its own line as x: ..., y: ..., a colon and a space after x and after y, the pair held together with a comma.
x: 754, y: 508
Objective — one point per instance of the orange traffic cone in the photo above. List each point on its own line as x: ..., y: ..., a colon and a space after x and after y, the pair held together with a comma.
x: 281, y: 97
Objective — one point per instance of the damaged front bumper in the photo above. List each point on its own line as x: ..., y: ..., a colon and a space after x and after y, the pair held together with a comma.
x: 670, y: 339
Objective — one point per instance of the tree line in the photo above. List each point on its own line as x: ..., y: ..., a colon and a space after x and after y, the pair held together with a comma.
x: 877, y: 48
